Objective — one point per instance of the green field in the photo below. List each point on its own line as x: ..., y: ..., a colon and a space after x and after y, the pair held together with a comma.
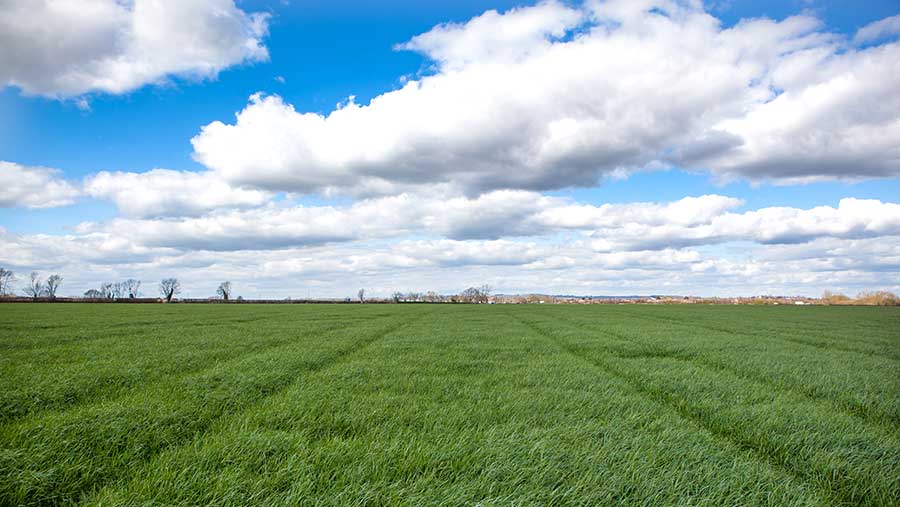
x: 448, y: 405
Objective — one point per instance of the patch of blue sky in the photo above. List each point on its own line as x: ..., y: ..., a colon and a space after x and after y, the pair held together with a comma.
x: 842, y: 16
x: 56, y: 220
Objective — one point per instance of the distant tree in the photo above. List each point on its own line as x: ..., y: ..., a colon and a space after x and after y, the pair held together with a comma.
x: 168, y: 288
x: 476, y: 294
x: 108, y: 290
x: 52, y: 285
x: 224, y: 290
x: 6, y: 280
x: 877, y: 298
x: 131, y: 288
x: 35, y: 287
x: 93, y: 294
x: 484, y: 293
x: 361, y: 295
x: 831, y: 298
x: 397, y: 297
x: 469, y: 295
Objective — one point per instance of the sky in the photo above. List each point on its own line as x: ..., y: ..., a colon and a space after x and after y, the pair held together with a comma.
x: 310, y: 148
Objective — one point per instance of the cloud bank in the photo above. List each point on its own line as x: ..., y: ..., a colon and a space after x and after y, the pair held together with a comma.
x: 691, y: 221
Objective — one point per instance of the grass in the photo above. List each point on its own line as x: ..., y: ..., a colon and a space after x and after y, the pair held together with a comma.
x: 448, y: 405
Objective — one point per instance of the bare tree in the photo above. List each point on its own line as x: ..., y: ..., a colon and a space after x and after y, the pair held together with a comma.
x: 361, y: 295
x: 168, y: 288
x: 52, y: 285
x: 224, y: 290
x: 479, y: 295
x: 484, y: 293
x: 6, y: 280
x: 108, y: 290
x: 131, y: 288
x: 35, y: 287
x: 93, y: 294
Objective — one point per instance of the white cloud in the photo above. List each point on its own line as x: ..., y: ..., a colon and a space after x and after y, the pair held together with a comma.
x: 449, y: 266
x: 65, y: 48
x: 99, y: 250
x: 493, y: 37
x: 533, y: 255
x: 887, y: 27
x: 838, y: 117
x: 688, y: 211
x: 33, y: 187
x: 852, y: 219
x: 502, y: 213
x: 266, y: 228
x: 446, y: 252
x: 163, y: 192
x: 550, y: 96
x: 639, y: 226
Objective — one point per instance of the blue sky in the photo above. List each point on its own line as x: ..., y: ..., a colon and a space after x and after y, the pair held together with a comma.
x: 317, y: 54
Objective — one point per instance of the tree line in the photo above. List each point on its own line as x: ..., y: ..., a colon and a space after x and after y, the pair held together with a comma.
x: 477, y: 295
x: 36, y: 287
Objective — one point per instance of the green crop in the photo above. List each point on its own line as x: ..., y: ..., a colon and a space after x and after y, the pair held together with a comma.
x: 415, y: 405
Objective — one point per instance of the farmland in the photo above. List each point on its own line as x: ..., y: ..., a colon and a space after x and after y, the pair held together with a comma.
x: 448, y: 405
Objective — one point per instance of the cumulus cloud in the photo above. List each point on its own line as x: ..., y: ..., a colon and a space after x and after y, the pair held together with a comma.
x: 65, y: 48
x: 837, y: 117
x: 162, y: 192
x: 494, y: 37
x: 33, y: 187
x: 553, y: 96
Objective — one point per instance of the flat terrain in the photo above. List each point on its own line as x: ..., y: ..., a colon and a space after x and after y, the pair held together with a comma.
x: 448, y: 405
